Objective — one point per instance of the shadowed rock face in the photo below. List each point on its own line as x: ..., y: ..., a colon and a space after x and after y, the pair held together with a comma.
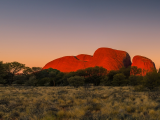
x: 105, y: 57
x: 144, y: 63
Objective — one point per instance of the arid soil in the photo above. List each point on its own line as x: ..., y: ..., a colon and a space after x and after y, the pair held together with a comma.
x: 69, y: 103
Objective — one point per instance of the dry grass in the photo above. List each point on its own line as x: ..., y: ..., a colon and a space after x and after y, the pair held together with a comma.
x: 68, y: 103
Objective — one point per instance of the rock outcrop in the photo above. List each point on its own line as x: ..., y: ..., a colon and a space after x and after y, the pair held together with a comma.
x: 105, y: 57
x: 144, y: 63
x: 84, y: 57
x: 110, y: 59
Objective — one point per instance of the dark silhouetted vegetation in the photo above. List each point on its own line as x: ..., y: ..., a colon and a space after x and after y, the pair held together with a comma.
x: 36, y: 76
x: 76, y: 81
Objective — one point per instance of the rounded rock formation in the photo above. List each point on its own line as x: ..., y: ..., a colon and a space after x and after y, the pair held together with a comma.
x: 144, y: 63
x: 110, y: 59
x: 66, y: 64
x: 84, y: 57
x: 104, y: 57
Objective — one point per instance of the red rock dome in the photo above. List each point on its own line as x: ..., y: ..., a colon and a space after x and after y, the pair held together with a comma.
x: 66, y: 64
x: 110, y: 59
x: 105, y: 57
x: 144, y: 63
x: 84, y: 57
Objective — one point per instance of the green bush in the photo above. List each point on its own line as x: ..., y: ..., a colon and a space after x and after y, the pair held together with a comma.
x: 151, y: 80
x: 3, y: 81
x: 135, y: 70
x: 19, y: 79
x: 125, y: 71
x: 118, y: 79
x: 44, y: 81
x: 105, y: 81
x: 32, y: 81
x: 135, y: 80
x: 76, y: 81
x: 111, y: 74
x: 92, y: 75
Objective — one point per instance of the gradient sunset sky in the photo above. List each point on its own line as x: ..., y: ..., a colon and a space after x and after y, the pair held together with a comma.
x: 34, y: 32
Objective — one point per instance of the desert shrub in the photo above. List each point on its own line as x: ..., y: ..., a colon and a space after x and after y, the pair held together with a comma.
x: 92, y: 75
x: 111, y: 74
x: 139, y: 80
x: 99, y: 71
x: 11, y: 69
x: 118, y: 79
x: 81, y: 72
x: 105, y: 81
x: 19, y: 79
x: 88, y: 80
x: 1, y: 68
x: 63, y: 81
x: 151, y: 80
x: 3, y: 81
x: 59, y: 76
x: 2, y: 74
x: 95, y: 79
x: 56, y: 78
x: 41, y: 74
x: 70, y: 74
x: 135, y: 70
x: 125, y: 71
x: 158, y: 70
x: 135, y: 80
x: 76, y: 81
x: 32, y: 81
x: 44, y: 81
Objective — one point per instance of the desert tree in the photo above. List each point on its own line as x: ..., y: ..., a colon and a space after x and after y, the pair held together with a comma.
x: 119, y: 79
x: 158, y: 70
x: 2, y: 73
x: 27, y: 71
x: 12, y: 69
x: 32, y: 81
x: 76, y: 81
x: 125, y: 71
x: 1, y: 68
x: 53, y: 76
x: 135, y: 70
x: 151, y: 80
x: 135, y: 80
x: 36, y: 69
x: 105, y: 81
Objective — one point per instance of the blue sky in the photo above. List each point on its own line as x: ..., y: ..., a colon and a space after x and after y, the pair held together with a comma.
x: 35, y: 32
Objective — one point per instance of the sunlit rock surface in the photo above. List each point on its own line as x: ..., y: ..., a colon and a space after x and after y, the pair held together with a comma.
x: 84, y: 57
x: 144, y: 63
x: 108, y: 58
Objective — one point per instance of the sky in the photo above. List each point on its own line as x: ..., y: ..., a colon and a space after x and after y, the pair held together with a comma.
x: 35, y: 32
